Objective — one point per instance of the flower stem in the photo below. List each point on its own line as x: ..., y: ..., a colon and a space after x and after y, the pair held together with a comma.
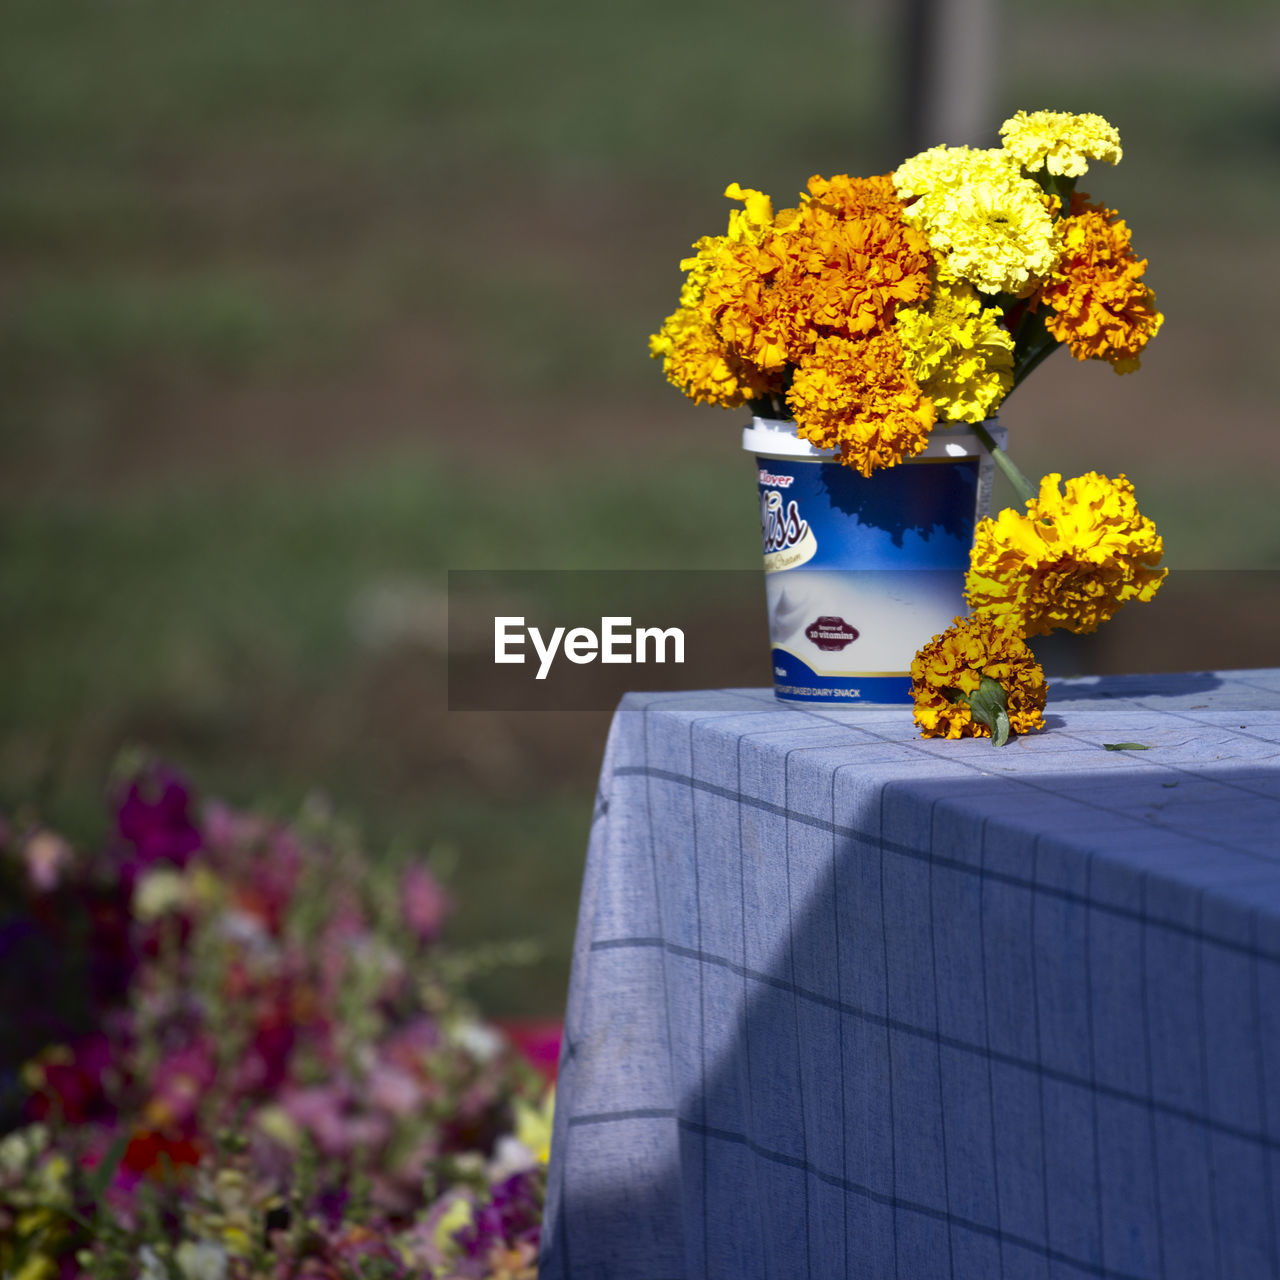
x: 1022, y: 486
x: 1032, y: 358
x: 770, y: 405
x: 1032, y: 343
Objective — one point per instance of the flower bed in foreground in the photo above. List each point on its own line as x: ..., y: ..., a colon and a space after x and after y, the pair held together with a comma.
x: 239, y: 1049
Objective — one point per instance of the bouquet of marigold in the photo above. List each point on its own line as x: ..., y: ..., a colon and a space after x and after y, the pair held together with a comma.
x: 878, y: 307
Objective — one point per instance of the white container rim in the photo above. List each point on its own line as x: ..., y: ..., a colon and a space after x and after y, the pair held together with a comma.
x: 777, y: 438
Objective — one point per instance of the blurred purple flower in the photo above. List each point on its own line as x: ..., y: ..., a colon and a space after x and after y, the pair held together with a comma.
x: 512, y: 1216
x: 154, y: 816
x: 14, y: 931
x: 331, y: 1203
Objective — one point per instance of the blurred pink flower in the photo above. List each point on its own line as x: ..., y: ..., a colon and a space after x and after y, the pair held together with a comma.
x: 424, y: 901
x: 394, y: 1090
x: 538, y: 1040
x: 179, y: 1082
x: 226, y: 830
x: 268, y: 885
x: 411, y: 1045
x: 328, y: 1115
x: 265, y: 1062
x: 47, y: 856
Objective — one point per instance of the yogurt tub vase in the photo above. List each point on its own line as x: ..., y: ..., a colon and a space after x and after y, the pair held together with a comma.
x: 860, y: 571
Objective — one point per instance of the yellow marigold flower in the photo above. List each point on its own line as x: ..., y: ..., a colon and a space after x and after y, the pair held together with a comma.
x: 1102, y: 310
x: 1059, y: 142
x: 699, y: 269
x: 1071, y: 561
x: 954, y: 663
x: 958, y: 351
x: 697, y: 361
x: 858, y: 397
x: 943, y: 168
x: 987, y: 223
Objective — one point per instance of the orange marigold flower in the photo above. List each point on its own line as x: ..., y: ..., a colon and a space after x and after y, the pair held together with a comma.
x: 857, y: 396
x: 1101, y: 308
x: 1070, y: 562
x: 857, y: 197
x: 849, y: 274
x: 696, y: 360
x: 744, y: 305
x: 952, y: 666
x: 839, y: 265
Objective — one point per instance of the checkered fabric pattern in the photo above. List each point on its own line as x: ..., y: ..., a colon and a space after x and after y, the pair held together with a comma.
x: 847, y: 1002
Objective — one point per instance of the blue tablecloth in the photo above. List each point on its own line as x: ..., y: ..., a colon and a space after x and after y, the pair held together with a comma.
x: 846, y: 1002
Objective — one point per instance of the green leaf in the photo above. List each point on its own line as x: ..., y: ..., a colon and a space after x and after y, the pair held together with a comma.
x: 99, y: 1179
x: 1125, y: 746
x: 988, y: 704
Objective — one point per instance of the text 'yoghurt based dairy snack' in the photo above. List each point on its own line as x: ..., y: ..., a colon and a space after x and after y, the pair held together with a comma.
x: 862, y: 571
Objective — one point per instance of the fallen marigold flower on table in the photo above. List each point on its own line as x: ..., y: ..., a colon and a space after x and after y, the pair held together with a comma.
x: 1071, y: 561
x: 948, y: 674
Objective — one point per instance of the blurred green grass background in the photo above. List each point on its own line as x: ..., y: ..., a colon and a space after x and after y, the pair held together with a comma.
x: 303, y: 304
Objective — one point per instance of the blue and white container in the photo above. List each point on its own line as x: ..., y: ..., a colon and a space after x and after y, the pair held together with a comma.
x: 861, y: 571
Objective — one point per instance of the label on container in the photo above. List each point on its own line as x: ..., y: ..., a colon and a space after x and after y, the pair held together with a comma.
x: 860, y: 572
